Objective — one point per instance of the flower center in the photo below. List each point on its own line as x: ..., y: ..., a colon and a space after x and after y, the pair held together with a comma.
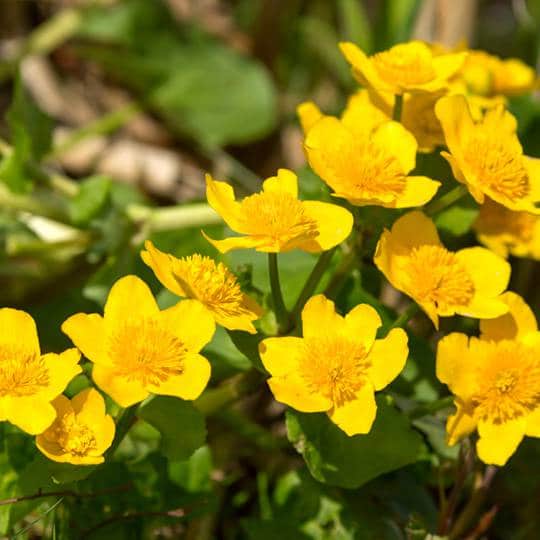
x: 21, y: 373
x: 405, y: 65
x: 436, y: 276
x: 334, y: 367
x: 212, y: 284
x: 73, y: 437
x: 278, y: 215
x: 509, y: 386
x: 146, y: 352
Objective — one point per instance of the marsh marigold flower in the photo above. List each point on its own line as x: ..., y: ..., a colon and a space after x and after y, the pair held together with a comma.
x: 495, y: 380
x: 81, y: 432
x: 407, y: 67
x: 487, y: 157
x: 214, y: 285
x: 338, y: 364
x: 138, y: 350
x: 507, y: 232
x: 30, y: 380
x: 443, y: 283
x: 364, y: 157
x: 275, y: 220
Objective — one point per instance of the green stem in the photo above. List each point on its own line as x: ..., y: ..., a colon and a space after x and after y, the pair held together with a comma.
x: 406, y: 316
x: 123, y: 425
x: 431, y: 408
x: 341, y: 275
x: 311, y: 283
x: 446, y: 200
x: 277, y: 296
x: 398, y: 107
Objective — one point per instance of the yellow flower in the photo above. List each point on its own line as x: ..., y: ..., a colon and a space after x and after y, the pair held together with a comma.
x: 487, y: 156
x: 507, y: 232
x: 81, y: 432
x: 138, y: 350
x: 468, y: 282
x: 337, y: 366
x: 407, y: 67
x: 364, y: 157
x: 275, y: 220
x: 488, y: 75
x: 496, y: 381
x: 200, y: 278
x: 30, y: 380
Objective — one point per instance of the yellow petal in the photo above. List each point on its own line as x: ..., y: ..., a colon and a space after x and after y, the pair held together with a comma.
x: 309, y: 114
x: 285, y: 182
x: 124, y: 391
x: 418, y: 191
x: 362, y: 66
x: 19, y: 330
x: 130, y: 296
x: 280, y: 355
x: 499, y: 441
x: 87, y: 331
x: 220, y: 196
x: 334, y: 224
x: 319, y: 317
x: 88, y: 405
x: 519, y: 321
x: 455, y: 117
x: 361, y: 325
x: 190, y: 384
x: 104, y: 431
x: 291, y: 389
x: 387, y: 358
x: 533, y: 423
x: 414, y: 229
x: 533, y: 169
x: 392, y: 138
x: 238, y: 242
x: 62, y: 368
x: 191, y: 322
x: 356, y: 416
x: 460, y: 424
x: 162, y: 266
x: 30, y: 414
x: 447, y: 65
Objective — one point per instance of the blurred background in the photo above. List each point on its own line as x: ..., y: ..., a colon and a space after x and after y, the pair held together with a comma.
x: 113, y: 110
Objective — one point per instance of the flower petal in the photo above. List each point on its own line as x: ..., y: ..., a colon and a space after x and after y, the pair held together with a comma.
x: 418, y: 191
x: 32, y: 415
x: 319, y: 317
x: 356, y: 416
x: 362, y: 67
x: 334, y: 224
x: 124, y: 391
x: 129, y: 297
x: 19, y: 330
x: 291, y: 389
x: 88, y: 405
x: 87, y: 331
x: 280, y: 355
x: 191, y: 322
x: 455, y: 117
x: 220, y: 196
x: 308, y: 114
x: 239, y: 242
x: 162, y: 265
x: 447, y: 65
x: 499, y: 441
x: 285, y: 182
x: 387, y: 358
x: 190, y: 384
x: 62, y: 368
x: 460, y: 424
x: 392, y: 138
x: 361, y: 324
x: 533, y: 423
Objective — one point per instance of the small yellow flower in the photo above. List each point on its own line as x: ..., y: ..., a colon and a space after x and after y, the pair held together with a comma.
x: 364, y: 157
x: 407, y: 67
x: 275, y: 220
x: 200, y: 278
x: 507, y: 232
x: 488, y: 75
x: 337, y: 366
x: 138, y: 350
x: 496, y: 381
x: 81, y: 432
x: 443, y: 283
x: 30, y: 380
x: 487, y: 156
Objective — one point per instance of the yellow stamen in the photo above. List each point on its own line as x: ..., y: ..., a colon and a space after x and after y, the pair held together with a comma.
x: 74, y: 438
x: 21, y: 373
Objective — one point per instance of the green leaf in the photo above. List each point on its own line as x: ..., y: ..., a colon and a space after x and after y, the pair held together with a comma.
x: 356, y: 23
x: 90, y: 199
x: 337, y: 459
x: 458, y: 219
x: 193, y: 474
x: 181, y: 425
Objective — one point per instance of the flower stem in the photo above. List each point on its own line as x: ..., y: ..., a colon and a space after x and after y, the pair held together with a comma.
x: 398, y: 107
x: 277, y: 296
x: 123, y: 425
x: 311, y: 283
x: 446, y: 200
x: 406, y: 316
x: 431, y: 408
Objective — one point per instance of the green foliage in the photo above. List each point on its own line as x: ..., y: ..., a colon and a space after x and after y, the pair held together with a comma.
x: 90, y: 199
